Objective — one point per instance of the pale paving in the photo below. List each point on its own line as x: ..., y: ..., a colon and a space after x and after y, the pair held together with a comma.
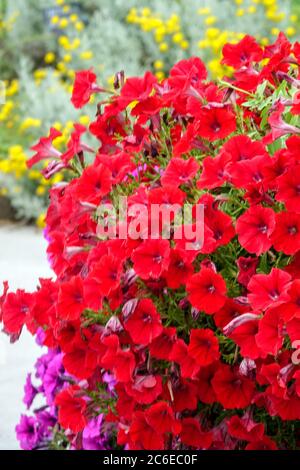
x: 22, y: 261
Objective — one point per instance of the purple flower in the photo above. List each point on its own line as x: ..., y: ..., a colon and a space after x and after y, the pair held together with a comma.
x: 51, y: 379
x: 41, y: 364
x: 27, y: 432
x: 110, y: 380
x: 29, y: 392
x: 46, y: 422
x: 92, y: 439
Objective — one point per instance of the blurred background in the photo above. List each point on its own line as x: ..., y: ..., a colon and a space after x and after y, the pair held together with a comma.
x: 42, y: 44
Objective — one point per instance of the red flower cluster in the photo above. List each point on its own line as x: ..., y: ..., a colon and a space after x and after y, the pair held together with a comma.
x: 200, y: 342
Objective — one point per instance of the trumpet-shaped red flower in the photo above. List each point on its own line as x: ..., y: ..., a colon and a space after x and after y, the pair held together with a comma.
x: 44, y: 148
x: 232, y: 389
x: 192, y: 434
x: 254, y: 229
x: 180, y: 171
x: 242, y: 54
x: 203, y: 347
x: 16, y: 309
x: 216, y: 123
x: 71, y: 409
x: 83, y: 88
x: 70, y: 299
x: 151, y: 258
x: 94, y: 183
x: 266, y: 290
x: 289, y: 189
x: 206, y: 290
x: 144, y: 324
x: 286, y: 235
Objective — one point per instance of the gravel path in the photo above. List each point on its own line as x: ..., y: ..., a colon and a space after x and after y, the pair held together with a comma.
x: 22, y: 262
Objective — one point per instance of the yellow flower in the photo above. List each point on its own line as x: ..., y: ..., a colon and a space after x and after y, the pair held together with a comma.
x: 59, y: 2
x: 40, y: 221
x: 252, y: 9
x: 30, y: 122
x: 73, y: 17
x: 49, y: 57
x: 66, y: 8
x: 63, y: 23
x: 158, y: 64
x: 40, y: 190
x: 84, y: 120
x: 290, y: 31
x: 204, y: 11
x: 67, y: 58
x: 160, y: 75
x: 55, y: 19
x: 163, y: 47
x: 79, y: 25
x: 184, y: 44
x: 275, y: 31
x: 63, y: 41
x: 294, y: 18
x: 210, y: 20
x: 177, y: 38
x: 86, y: 55
x: 239, y: 2
x: 240, y: 12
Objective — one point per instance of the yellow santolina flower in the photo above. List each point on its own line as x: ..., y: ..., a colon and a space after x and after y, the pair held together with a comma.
x: 84, y: 120
x: 30, y: 122
x: 49, y: 57
x: 40, y: 190
x: 290, y: 31
x: 204, y: 11
x: 73, y: 17
x: 55, y: 19
x: 210, y: 20
x: 252, y: 9
x: 79, y: 25
x: 275, y: 31
x: 294, y: 18
x: 67, y: 58
x: 12, y: 88
x: 239, y: 2
x: 66, y: 8
x: 160, y: 75
x: 40, y: 221
x: 158, y: 64
x: 15, y: 163
x: 240, y: 12
x: 163, y: 47
x: 59, y: 2
x: 86, y: 55
x: 63, y: 23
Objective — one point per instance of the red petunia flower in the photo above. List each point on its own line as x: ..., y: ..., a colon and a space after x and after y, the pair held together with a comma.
x: 247, y: 267
x: 232, y: 389
x: 203, y: 347
x: 216, y: 123
x: 44, y: 148
x: 71, y: 409
x: 161, y: 417
x: 289, y: 189
x: 244, y: 337
x: 145, y: 388
x: 161, y: 347
x: 188, y: 365
x: 180, y: 171
x: 83, y: 88
x: 242, y: 54
x: 70, y: 299
x: 204, y: 378
x: 142, y: 435
x: 206, y: 290
x: 270, y: 332
x: 286, y: 235
x: 136, y: 89
x: 254, y: 229
x: 15, y: 310
x: 192, y: 434
x: 214, y: 171
x: 245, y: 429
x: 265, y: 443
x: 266, y: 290
x: 144, y: 324
x: 151, y: 258
x: 179, y: 269
x: 95, y: 182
